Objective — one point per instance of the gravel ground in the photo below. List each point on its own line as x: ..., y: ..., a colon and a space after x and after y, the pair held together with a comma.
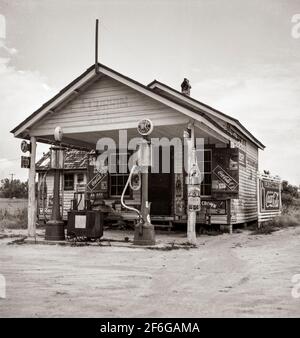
x: 239, y: 275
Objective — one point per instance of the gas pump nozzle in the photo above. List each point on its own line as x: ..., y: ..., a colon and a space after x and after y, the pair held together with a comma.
x: 133, y: 169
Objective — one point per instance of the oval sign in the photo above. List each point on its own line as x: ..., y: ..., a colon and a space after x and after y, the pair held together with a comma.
x: 145, y: 127
x: 58, y: 134
x: 24, y: 146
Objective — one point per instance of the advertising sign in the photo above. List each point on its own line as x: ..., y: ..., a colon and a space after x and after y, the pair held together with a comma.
x: 194, y: 203
x: 215, y: 207
x: 25, y: 162
x: 225, y: 173
x: 270, y: 195
x: 94, y: 182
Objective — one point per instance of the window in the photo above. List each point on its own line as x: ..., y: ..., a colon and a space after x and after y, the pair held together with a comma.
x: 204, y: 162
x: 119, y: 179
x: 68, y: 181
x: 80, y: 178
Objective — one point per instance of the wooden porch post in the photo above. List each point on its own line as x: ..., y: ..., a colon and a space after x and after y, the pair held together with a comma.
x: 191, y: 222
x: 31, y: 191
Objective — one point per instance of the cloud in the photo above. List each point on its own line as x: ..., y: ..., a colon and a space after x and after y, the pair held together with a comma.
x: 266, y: 100
x: 21, y: 93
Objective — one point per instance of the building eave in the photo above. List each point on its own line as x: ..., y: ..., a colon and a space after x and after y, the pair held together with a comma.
x: 235, y: 122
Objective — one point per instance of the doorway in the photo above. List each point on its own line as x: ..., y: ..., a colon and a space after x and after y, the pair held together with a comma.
x: 160, y: 188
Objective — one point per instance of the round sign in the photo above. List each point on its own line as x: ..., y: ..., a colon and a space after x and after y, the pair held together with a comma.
x: 135, y: 182
x: 24, y: 146
x: 58, y: 134
x: 145, y: 127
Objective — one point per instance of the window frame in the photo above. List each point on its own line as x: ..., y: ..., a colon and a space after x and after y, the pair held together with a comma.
x: 117, y: 174
x: 67, y: 188
x: 203, y: 185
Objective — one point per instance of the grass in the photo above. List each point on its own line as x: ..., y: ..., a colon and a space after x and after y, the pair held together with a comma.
x: 13, y: 213
x: 290, y: 219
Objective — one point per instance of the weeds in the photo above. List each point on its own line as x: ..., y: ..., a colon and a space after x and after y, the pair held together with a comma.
x: 13, y: 220
x: 288, y: 219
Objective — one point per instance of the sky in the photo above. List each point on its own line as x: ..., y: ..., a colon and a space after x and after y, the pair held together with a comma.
x: 241, y: 57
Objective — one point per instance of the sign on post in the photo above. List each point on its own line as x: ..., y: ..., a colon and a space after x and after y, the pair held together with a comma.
x: 194, y: 198
x: 25, y: 162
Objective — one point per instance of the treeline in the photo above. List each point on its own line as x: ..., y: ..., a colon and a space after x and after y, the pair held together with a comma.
x: 13, y: 188
x: 290, y: 196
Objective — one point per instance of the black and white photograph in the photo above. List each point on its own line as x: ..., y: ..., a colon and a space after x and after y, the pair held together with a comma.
x: 149, y: 162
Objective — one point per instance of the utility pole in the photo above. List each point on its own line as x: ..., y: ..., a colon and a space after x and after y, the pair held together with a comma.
x: 96, y: 47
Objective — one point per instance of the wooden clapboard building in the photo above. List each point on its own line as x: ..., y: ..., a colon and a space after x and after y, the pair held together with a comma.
x: 73, y: 181
x: 101, y: 102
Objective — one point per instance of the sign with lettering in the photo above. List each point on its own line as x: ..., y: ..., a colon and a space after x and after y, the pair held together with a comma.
x: 94, y: 182
x: 225, y: 173
x: 194, y: 203
x: 215, y: 207
x: 269, y: 195
x: 25, y: 162
x: 242, y: 158
x: 230, y: 182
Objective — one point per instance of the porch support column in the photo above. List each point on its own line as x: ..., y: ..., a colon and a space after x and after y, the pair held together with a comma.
x: 191, y: 222
x: 31, y: 191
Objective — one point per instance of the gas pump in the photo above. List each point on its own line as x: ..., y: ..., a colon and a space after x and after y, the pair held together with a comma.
x: 138, y: 179
x: 55, y: 226
x: 84, y: 219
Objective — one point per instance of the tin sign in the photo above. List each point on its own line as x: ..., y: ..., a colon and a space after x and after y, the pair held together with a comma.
x: 25, y: 162
x: 93, y: 183
x: 194, y: 202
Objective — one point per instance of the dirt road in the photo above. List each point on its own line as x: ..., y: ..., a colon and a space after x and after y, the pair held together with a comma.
x: 228, y: 275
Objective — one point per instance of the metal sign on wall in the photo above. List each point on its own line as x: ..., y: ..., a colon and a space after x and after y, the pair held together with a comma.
x: 269, y: 195
x: 94, y: 182
x: 225, y: 173
x: 215, y: 207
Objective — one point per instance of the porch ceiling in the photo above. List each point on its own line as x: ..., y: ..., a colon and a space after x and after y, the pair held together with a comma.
x: 88, y: 140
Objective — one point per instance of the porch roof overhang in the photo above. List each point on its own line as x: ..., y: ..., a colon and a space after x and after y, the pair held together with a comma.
x: 81, y: 141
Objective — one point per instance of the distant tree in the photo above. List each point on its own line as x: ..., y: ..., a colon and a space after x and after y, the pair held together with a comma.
x: 290, y: 189
x: 289, y: 195
x: 14, y: 188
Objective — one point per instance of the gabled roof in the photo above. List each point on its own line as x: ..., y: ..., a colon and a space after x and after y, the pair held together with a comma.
x: 90, y: 75
x: 163, y: 88
x: 74, y: 160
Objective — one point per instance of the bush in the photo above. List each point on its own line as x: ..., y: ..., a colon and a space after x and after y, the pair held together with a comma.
x: 291, y: 219
x: 15, y: 220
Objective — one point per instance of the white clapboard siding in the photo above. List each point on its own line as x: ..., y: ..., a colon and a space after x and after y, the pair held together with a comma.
x: 244, y: 209
x: 105, y: 104
x: 66, y: 196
